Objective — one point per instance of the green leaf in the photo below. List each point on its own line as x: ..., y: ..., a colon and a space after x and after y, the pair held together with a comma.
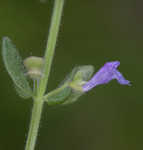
x: 22, y: 94
x: 58, y: 95
x: 14, y: 65
x: 73, y: 97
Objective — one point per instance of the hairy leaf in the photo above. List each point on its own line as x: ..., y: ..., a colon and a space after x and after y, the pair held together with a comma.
x: 15, y: 68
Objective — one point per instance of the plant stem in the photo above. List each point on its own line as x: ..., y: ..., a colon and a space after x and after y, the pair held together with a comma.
x: 34, y: 124
x: 51, y: 44
x: 38, y: 100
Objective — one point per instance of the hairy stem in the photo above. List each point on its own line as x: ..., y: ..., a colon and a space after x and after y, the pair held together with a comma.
x: 38, y: 99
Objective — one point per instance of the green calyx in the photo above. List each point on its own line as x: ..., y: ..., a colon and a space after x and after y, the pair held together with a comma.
x: 34, y: 66
x: 71, y: 88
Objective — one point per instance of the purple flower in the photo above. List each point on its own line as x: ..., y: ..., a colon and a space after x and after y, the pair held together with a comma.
x: 107, y: 73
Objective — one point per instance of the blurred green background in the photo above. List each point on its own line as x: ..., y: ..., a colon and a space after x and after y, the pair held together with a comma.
x: 92, y: 32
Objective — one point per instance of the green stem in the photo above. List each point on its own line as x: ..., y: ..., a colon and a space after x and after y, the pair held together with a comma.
x: 38, y: 100
x: 51, y: 44
x: 34, y: 124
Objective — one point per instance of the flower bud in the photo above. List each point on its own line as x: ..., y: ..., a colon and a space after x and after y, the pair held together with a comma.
x: 34, y: 66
